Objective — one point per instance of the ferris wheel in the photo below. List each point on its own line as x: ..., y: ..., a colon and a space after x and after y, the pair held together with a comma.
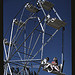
x: 24, y: 45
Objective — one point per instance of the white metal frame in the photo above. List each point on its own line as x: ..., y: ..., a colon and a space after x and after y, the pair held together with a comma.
x: 43, y: 43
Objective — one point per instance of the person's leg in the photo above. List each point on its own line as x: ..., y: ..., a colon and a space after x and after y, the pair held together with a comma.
x: 50, y: 68
x: 56, y: 68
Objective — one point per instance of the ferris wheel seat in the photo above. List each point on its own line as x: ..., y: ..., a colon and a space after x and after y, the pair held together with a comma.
x: 18, y: 23
x: 55, y: 23
x: 31, y: 8
x: 46, y: 4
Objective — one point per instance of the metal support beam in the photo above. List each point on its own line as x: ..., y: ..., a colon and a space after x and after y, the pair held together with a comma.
x: 7, y: 65
x: 41, y: 24
x: 10, y: 38
x: 26, y: 60
x: 42, y: 8
x: 57, y: 14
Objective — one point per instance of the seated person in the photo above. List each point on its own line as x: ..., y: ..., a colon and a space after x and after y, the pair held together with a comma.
x: 49, y: 67
x: 45, y: 60
x: 46, y: 65
x: 55, y: 64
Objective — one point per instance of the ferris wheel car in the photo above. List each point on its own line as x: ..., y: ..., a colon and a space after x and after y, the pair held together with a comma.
x: 49, y: 68
x: 31, y: 8
x: 46, y: 4
x: 55, y: 23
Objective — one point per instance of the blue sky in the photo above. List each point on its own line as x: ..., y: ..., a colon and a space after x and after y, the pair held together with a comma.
x: 54, y: 47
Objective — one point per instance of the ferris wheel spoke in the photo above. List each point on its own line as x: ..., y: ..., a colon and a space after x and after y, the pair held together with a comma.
x: 34, y: 45
x: 42, y: 8
x: 57, y: 14
x: 16, y: 40
x: 17, y: 33
x: 29, y: 44
x: 11, y: 37
x: 17, y: 63
x: 18, y: 53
